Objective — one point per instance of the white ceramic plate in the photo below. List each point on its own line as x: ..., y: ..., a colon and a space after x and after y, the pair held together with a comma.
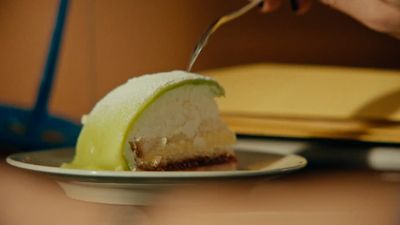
x: 140, y: 188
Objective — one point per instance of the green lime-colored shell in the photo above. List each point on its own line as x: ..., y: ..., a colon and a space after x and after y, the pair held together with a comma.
x: 103, y: 139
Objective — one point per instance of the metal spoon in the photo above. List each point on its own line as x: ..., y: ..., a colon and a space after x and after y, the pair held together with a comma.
x: 215, y: 25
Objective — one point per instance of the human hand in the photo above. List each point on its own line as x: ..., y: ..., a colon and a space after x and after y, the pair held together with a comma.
x: 379, y: 15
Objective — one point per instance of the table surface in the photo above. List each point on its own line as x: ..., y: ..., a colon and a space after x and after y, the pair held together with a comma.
x: 310, y: 196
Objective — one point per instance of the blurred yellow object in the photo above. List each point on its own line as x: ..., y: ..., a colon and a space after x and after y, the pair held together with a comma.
x: 311, y: 101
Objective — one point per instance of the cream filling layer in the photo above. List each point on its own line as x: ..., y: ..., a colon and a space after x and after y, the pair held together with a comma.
x: 181, y: 124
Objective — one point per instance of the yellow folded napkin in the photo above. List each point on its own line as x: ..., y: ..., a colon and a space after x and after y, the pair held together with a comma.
x: 311, y: 101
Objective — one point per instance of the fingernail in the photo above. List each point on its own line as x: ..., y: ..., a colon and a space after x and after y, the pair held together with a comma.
x: 294, y: 4
x: 265, y: 6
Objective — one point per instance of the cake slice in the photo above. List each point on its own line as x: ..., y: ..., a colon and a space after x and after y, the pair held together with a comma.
x: 159, y: 122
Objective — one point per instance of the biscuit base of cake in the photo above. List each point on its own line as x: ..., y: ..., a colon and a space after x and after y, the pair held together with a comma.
x: 199, y: 163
